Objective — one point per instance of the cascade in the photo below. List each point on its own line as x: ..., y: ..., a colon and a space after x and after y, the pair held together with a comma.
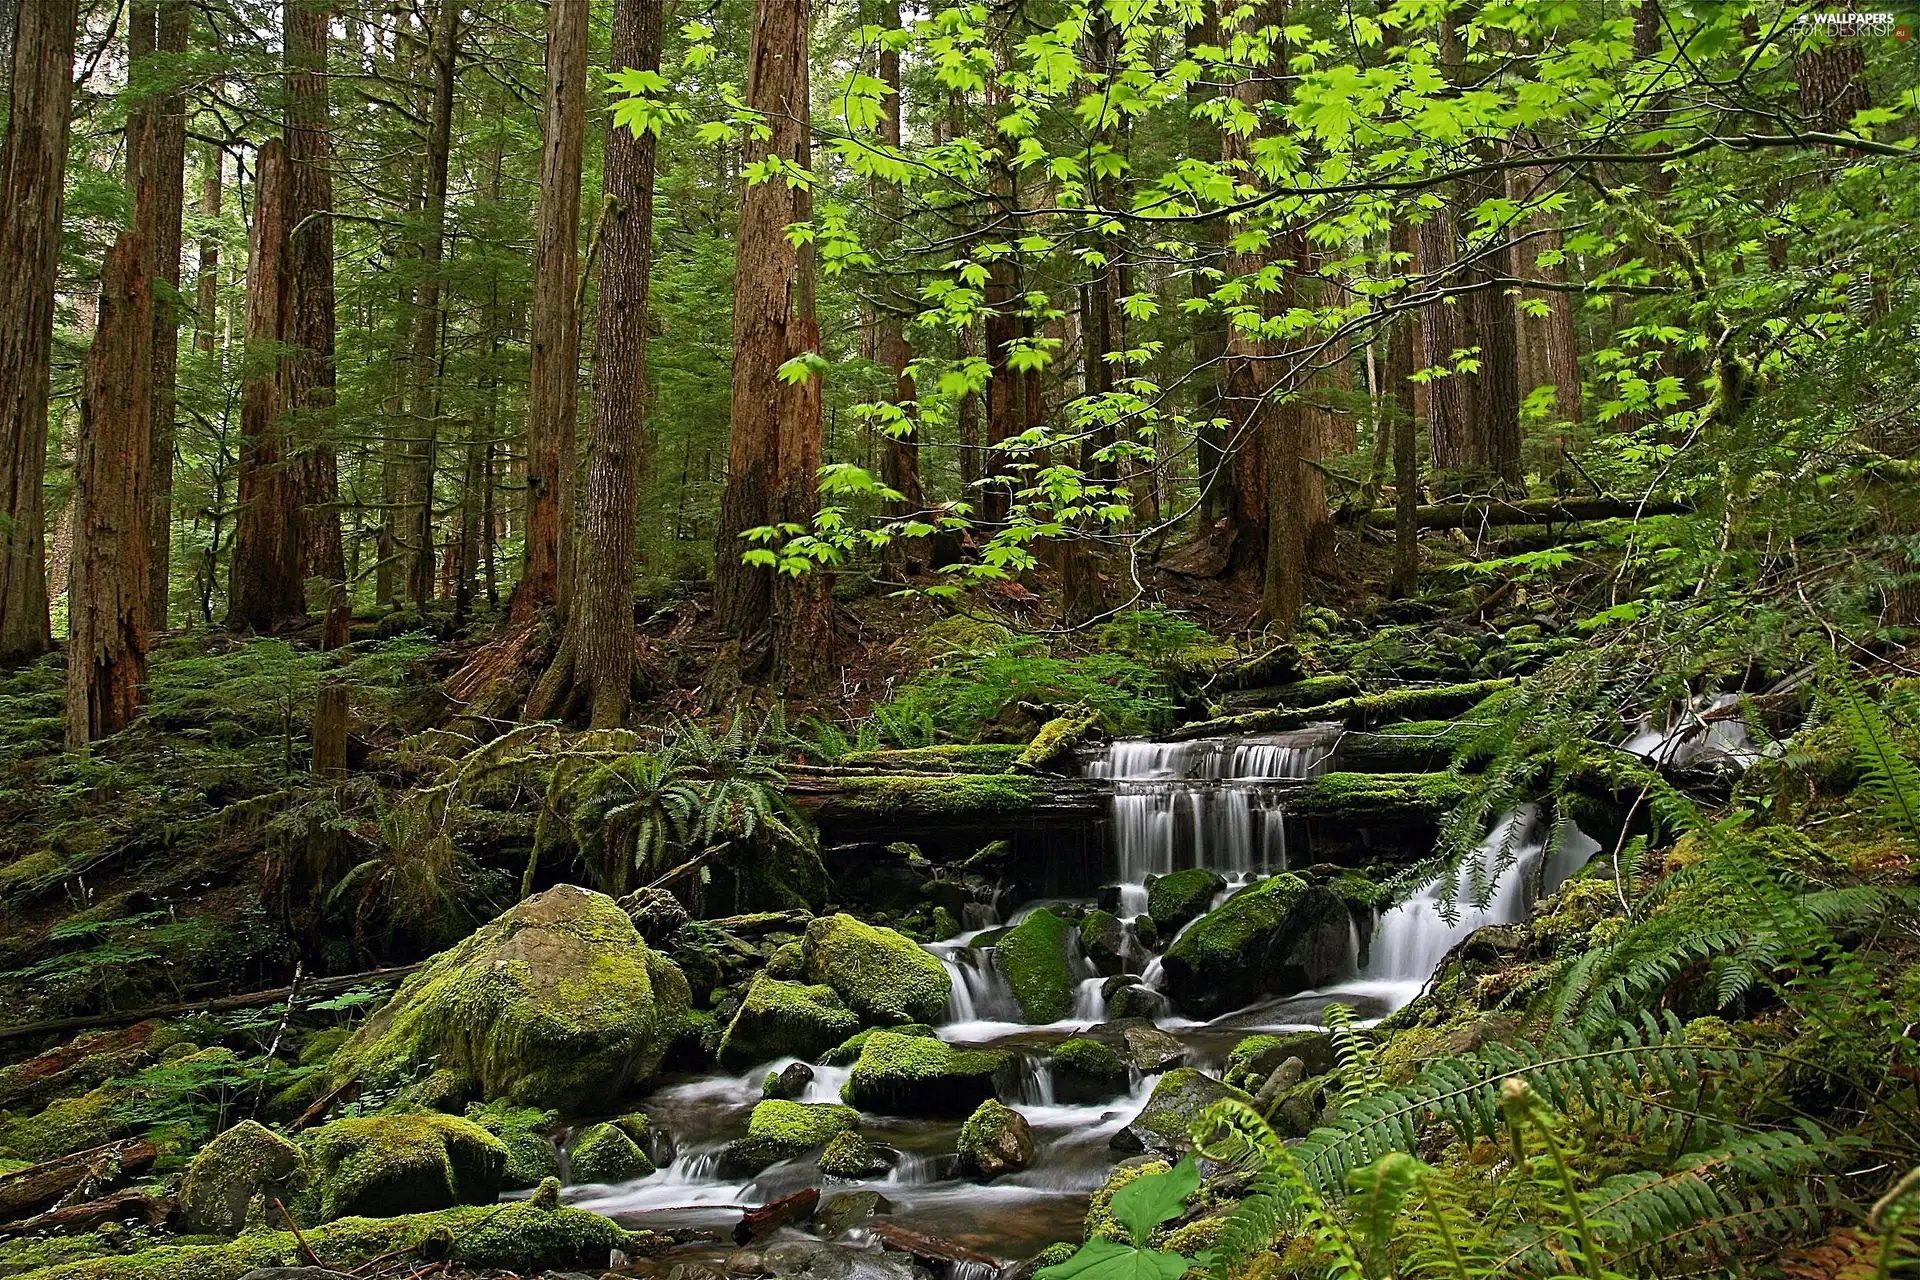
x: 1705, y: 730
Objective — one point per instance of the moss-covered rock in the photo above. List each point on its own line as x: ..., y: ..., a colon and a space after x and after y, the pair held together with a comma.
x: 1274, y: 938
x: 1164, y: 1126
x: 607, y: 1153
x: 528, y: 1236
x: 787, y: 1083
x: 556, y: 1003
x: 847, y: 1053
x: 924, y: 795
x: 384, y: 1165
x: 247, y: 1160
x: 788, y: 961
x: 1255, y: 1057
x: 1182, y: 896
x: 1086, y: 1071
x: 1053, y: 747
x: 884, y: 977
x: 1103, y: 940
x: 916, y: 1076
x: 984, y: 757
x: 785, y: 1019
x: 1034, y: 958
x: 1378, y: 797
x: 781, y: 1130
x: 848, y: 1155
x: 996, y: 1139
x: 531, y: 1156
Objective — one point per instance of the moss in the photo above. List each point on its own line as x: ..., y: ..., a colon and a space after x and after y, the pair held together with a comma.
x: 392, y: 1164
x: 1086, y: 1071
x: 882, y: 976
x: 558, y: 1003
x: 1103, y: 940
x: 225, y: 1175
x: 23, y: 873
x: 1278, y: 936
x: 1240, y: 1062
x: 1100, y: 1223
x: 607, y: 1153
x: 1051, y: 1256
x: 985, y: 757
x: 788, y: 961
x: 68, y: 1124
x: 1174, y: 899
x: 1363, y: 712
x: 34, y: 1252
x: 913, y: 1075
x: 1057, y: 740
x: 847, y: 1052
x: 528, y: 1236
x: 960, y: 795
x: 848, y: 1155
x: 1378, y: 797
x: 1033, y: 958
x: 531, y: 1157
x: 944, y: 925
x: 780, y: 1019
x: 780, y: 1130
x: 995, y: 1139
x: 322, y: 1045
x: 1165, y: 1124
x: 1415, y: 745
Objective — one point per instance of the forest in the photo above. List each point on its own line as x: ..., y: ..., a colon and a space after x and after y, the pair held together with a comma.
x: 959, y: 640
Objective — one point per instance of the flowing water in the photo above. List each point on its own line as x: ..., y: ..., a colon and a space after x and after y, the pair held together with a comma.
x: 1218, y: 804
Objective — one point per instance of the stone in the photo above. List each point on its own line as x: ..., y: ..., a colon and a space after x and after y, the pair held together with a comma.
x: 383, y: 1165
x: 1103, y: 939
x: 851, y: 1208
x: 247, y: 1160
x: 531, y: 1155
x: 1275, y: 938
x: 1182, y: 896
x: 1033, y: 957
x: 780, y: 1130
x: 996, y: 1139
x: 655, y: 913
x: 1255, y: 1057
x: 881, y: 975
x: 606, y: 1153
x: 848, y: 1155
x: 789, y: 1082
x: 918, y: 1076
x: 1086, y: 1072
x: 1164, y: 1125
x: 785, y: 1020
x: 1146, y: 1046
x: 556, y: 1003
x: 848, y: 1051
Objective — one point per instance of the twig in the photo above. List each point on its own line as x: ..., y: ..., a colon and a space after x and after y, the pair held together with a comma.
x: 306, y: 1250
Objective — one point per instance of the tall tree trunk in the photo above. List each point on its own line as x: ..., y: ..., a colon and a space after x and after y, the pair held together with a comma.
x: 307, y: 304
x: 775, y: 450
x: 1550, y: 341
x: 170, y: 158
x: 33, y: 177
x: 425, y: 391
x: 1495, y: 388
x: 107, y: 599
x: 206, y: 280
x: 1449, y: 426
x: 900, y: 453
x: 1209, y: 327
x: 554, y: 389
x: 266, y: 587
x: 1406, y: 455
x: 601, y: 623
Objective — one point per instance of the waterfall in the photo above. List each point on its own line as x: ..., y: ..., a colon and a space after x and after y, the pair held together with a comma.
x: 1703, y: 730
x: 1216, y: 803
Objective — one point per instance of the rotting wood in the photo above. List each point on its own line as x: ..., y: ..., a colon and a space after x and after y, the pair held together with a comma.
x: 755, y: 1223
x: 316, y: 987
x: 1494, y: 514
x: 40, y: 1187
x: 926, y: 1248
x: 81, y: 1217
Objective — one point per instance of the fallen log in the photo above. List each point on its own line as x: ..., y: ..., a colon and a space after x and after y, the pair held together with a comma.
x: 39, y: 1187
x: 345, y: 1091
x: 219, y: 1004
x: 1492, y: 513
x: 925, y: 1248
x: 1365, y: 711
x: 27, y: 1082
x: 117, y: 1207
x: 755, y: 1223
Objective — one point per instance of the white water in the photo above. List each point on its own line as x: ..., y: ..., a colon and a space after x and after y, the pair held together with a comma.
x: 1704, y: 730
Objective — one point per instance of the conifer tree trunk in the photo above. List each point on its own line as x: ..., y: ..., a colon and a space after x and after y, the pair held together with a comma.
x: 775, y: 450
x: 307, y: 305
x: 266, y: 587
x: 1406, y: 457
x: 1449, y: 427
x: 33, y: 180
x: 601, y: 623
x: 900, y: 455
x: 1550, y: 342
x: 107, y: 598
x: 170, y: 158
x: 425, y: 392
x: 554, y: 390
x: 206, y: 280
x: 1209, y: 328
x: 1495, y: 447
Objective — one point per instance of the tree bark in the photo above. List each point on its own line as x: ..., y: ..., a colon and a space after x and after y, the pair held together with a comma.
x: 1552, y: 352
x: 33, y: 178
x: 1209, y: 327
x: 330, y: 709
x: 307, y: 305
x: 206, y: 280
x: 617, y: 454
x: 443, y: 52
x: 1449, y: 424
x: 1406, y: 457
x: 170, y: 158
x: 1495, y: 448
x: 900, y: 454
x: 266, y: 587
x: 554, y: 390
x: 107, y: 600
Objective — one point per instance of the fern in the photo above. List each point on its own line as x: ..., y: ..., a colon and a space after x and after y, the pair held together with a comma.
x: 1359, y: 1074
x: 1885, y: 772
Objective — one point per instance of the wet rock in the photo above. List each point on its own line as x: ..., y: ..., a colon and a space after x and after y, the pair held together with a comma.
x: 881, y: 975
x: 1086, y: 1071
x: 917, y: 1076
x: 780, y: 1130
x: 746, y: 1262
x: 380, y: 1166
x: 1255, y: 1057
x: 808, y: 1260
x: 789, y: 1082
x: 607, y: 1153
x: 1107, y: 898
x: 1276, y: 938
x: 655, y: 913
x: 847, y: 1052
x: 1035, y: 961
x: 788, y: 961
x: 849, y: 1156
x: 996, y: 1139
x: 1295, y: 1111
x: 247, y: 1160
x: 292, y: 1273
x: 1131, y: 1000
x: 1163, y: 1126
x: 531, y: 1157
x: 1175, y: 899
x: 784, y: 1019
x: 1494, y: 1028
x: 1144, y: 1045
x: 851, y: 1208
x: 1493, y: 943
x: 1104, y: 940
x: 558, y: 1002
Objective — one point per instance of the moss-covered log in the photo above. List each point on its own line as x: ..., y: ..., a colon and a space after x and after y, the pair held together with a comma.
x: 1377, y: 797
x: 1475, y: 515
x: 1366, y: 711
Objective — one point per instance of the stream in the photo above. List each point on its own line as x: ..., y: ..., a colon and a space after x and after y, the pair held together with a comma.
x: 1218, y: 804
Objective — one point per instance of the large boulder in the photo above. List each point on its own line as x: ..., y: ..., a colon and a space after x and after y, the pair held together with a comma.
x: 996, y: 1139
x: 1103, y: 939
x: 385, y: 1165
x: 607, y: 1153
x: 1174, y: 899
x: 1272, y: 939
x: 784, y: 1019
x: 1034, y: 958
x: 1164, y: 1126
x: 1086, y: 1072
x: 917, y: 1076
x: 531, y: 1155
x: 247, y: 1160
x: 780, y: 1130
x: 556, y: 1003
x: 883, y: 976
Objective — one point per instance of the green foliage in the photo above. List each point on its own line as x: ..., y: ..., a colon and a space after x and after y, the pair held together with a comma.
x: 1141, y: 1206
